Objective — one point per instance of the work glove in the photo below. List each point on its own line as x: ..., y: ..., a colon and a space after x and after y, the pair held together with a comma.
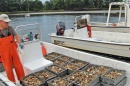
x: 21, y: 45
x: 21, y: 49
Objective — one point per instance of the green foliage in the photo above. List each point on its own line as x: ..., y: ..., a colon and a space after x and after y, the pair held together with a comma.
x: 77, y: 4
x: 20, y: 5
x: 37, y: 5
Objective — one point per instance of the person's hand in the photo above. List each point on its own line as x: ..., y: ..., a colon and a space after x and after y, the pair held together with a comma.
x: 21, y: 45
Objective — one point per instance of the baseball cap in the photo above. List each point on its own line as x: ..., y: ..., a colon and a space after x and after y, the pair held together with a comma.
x: 5, y: 18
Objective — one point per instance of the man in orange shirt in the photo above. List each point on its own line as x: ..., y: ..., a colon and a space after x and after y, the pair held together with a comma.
x: 8, y: 49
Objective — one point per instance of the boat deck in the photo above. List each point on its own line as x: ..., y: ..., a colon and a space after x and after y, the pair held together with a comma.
x: 93, y: 59
x: 3, y: 76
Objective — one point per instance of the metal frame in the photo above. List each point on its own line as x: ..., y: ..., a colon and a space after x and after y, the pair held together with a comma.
x: 16, y: 29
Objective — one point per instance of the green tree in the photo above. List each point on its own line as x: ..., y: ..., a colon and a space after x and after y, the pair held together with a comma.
x: 98, y: 3
x: 48, y: 5
x: 19, y: 5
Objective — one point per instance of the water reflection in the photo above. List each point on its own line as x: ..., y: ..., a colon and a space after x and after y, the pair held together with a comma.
x: 47, y: 23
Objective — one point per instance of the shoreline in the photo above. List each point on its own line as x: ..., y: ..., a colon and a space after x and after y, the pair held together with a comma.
x: 65, y: 12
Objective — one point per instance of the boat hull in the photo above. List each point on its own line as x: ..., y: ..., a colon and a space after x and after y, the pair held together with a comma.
x: 93, y: 45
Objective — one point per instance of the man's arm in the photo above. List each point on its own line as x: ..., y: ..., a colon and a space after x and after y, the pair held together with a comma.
x: 17, y: 38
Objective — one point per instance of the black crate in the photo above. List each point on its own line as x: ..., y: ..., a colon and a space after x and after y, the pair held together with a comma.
x: 99, y: 84
x: 72, y: 67
x: 101, y: 70
x: 94, y: 82
x: 51, y: 82
x: 49, y: 57
x: 54, y: 54
x: 61, y: 73
x: 66, y: 75
x: 91, y: 68
x: 59, y: 62
x: 27, y: 80
x: 45, y: 75
x: 66, y: 58
x: 121, y: 83
x: 76, y: 77
x: 113, y: 81
x: 80, y: 63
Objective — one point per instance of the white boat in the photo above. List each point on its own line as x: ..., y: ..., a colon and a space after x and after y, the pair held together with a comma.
x: 32, y: 59
x: 27, y: 15
x: 110, y: 39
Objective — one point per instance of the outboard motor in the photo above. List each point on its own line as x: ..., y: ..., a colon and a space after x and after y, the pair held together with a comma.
x: 60, y: 28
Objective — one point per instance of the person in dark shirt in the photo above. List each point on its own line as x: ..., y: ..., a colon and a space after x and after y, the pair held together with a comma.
x: 36, y: 36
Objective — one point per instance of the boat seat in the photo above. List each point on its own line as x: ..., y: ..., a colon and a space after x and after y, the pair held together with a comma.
x: 81, y: 33
x: 68, y: 32
x: 32, y: 59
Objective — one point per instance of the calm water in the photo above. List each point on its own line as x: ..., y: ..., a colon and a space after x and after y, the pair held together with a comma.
x: 47, y: 23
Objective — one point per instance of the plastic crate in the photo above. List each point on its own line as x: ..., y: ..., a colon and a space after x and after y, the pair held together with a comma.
x: 66, y: 75
x: 70, y: 70
x: 73, y: 76
x: 91, y: 68
x: 94, y: 82
x: 80, y: 63
x: 51, y: 82
x: 59, y: 62
x: 77, y: 77
x: 115, y: 80
x: 26, y: 81
x: 121, y: 83
x: 66, y: 58
x: 54, y: 54
x: 101, y: 70
x: 99, y: 84
x: 2, y: 67
x: 61, y: 73
x: 49, y: 57
x: 45, y: 75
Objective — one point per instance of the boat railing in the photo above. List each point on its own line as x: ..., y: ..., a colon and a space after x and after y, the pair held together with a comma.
x: 77, y: 18
x: 119, y: 24
x: 97, y: 23
x: 122, y: 5
x: 24, y: 30
x: 100, y: 24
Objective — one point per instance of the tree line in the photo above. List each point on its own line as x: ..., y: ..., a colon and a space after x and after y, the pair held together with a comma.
x: 77, y: 4
x: 37, y: 5
x: 20, y: 5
